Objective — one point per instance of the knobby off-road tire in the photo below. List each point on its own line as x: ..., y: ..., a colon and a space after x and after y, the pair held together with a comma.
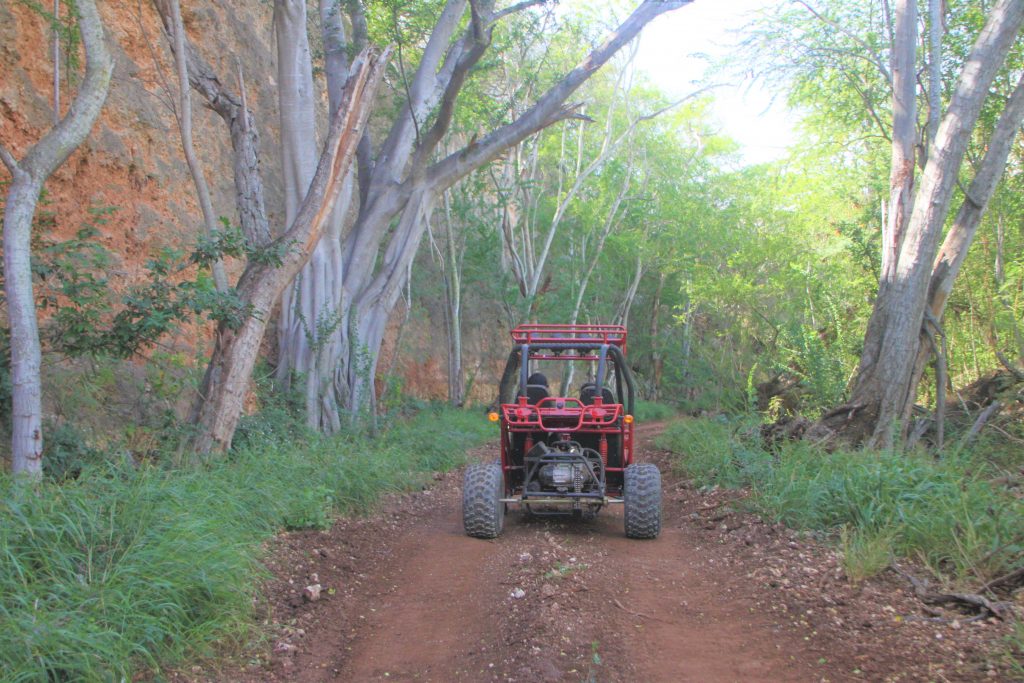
x: 483, y: 513
x: 642, y: 500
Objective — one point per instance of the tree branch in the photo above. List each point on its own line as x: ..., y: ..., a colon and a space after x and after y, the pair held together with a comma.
x: 421, y: 94
x: 478, y: 36
x: 56, y: 146
x: 245, y: 140
x: 518, y: 7
x: 9, y: 161
x: 875, y: 59
x: 548, y: 108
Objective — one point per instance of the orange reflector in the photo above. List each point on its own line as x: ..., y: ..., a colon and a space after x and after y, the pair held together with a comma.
x: 493, y: 417
x: 628, y: 419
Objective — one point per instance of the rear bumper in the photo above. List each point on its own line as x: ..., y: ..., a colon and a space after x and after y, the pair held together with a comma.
x: 535, y: 499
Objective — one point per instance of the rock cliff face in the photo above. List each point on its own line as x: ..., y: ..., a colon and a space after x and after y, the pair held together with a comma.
x: 133, y: 159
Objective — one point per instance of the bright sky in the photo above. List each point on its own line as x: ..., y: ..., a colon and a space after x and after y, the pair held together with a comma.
x: 669, y: 49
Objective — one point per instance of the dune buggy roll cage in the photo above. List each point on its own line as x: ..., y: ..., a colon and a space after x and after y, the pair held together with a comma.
x: 592, y: 434
x: 590, y: 342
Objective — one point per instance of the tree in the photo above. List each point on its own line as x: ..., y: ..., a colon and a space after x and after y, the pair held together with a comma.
x: 397, y: 190
x: 183, y: 114
x: 961, y: 234
x: 264, y: 279
x: 28, y: 176
x: 884, y: 389
x: 314, y: 181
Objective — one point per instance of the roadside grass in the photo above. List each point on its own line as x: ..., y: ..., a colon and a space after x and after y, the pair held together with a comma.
x: 878, y: 506
x: 129, y: 569
x: 653, y: 411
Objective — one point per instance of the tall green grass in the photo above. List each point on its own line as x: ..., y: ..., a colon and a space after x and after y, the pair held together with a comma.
x: 129, y: 569
x: 880, y: 505
x: 652, y: 411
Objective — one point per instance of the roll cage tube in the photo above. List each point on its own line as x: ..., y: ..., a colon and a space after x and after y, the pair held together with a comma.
x: 604, y: 350
x: 524, y: 368
x: 602, y: 362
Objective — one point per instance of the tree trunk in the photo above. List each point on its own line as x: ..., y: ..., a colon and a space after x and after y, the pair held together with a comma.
x: 28, y: 177
x: 960, y: 236
x: 904, y: 137
x: 935, y: 28
x: 452, y: 271
x: 261, y: 284
x: 184, y: 115
x: 402, y: 183
x: 657, y: 357
x: 883, y: 392
x: 310, y: 306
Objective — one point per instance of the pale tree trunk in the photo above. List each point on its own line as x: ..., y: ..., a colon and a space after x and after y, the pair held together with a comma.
x: 27, y: 179
x: 183, y: 113
x: 310, y: 323
x: 904, y: 137
x: 622, y: 315
x: 56, y: 63
x: 314, y: 336
x: 897, y: 211
x: 883, y: 391
x: 965, y: 226
x: 935, y: 29
x: 451, y: 271
x: 298, y: 142
x: 262, y: 283
x: 312, y: 307
x: 657, y: 356
x: 403, y: 181
x: 370, y: 312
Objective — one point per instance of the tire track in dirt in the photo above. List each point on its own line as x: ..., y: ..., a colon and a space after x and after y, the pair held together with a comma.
x: 719, y: 596
x: 438, y: 606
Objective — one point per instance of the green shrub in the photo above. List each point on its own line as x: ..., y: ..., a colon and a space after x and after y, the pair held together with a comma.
x: 713, y: 452
x: 66, y: 451
x: 124, y: 569
x: 866, y: 552
x: 944, y: 512
x: 652, y: 411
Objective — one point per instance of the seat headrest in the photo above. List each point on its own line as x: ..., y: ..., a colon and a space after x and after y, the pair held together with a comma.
x: 588, y: 392
x: 535, y: 392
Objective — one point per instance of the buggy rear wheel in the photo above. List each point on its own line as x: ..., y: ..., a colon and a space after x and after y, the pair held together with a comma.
x: 483, y: 513
x: 642, y: 500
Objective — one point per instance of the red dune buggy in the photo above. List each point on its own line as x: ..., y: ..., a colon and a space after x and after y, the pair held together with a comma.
x: 564, y: 455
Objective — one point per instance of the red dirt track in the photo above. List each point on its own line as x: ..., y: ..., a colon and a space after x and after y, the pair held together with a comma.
x: 719, y: 596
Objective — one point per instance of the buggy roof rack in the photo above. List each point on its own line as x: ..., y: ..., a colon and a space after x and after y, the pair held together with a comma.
x: 536, y: 334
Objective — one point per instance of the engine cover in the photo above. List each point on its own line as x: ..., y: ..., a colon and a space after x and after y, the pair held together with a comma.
x: 559, y: 475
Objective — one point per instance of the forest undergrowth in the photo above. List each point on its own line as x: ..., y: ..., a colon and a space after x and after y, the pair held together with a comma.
x: 958, y: 515
x: 128, y: 568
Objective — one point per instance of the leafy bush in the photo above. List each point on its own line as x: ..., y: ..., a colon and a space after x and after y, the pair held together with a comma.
x: 712, y: 452
x: 945, y: 513
x: 651, y: 411
x: 66, y: 452
x: 123, y: 569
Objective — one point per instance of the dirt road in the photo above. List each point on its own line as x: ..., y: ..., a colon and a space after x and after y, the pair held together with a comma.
x: 717, y: 597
